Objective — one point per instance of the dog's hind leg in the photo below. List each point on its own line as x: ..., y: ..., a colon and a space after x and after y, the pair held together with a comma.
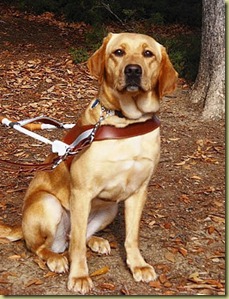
x: 45, y: 228
x: 99, y: 218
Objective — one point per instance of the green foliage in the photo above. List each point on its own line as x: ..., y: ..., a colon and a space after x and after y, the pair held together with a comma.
x: 94, y: 37
x: 92, y: 41
x: 41, y: 6
x: 101, y: 11
x: 157, y: 18
x: 184, y: 52
x: 79, y: 55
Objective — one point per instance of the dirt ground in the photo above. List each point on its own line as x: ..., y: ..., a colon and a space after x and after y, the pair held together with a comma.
x: 183, y: 224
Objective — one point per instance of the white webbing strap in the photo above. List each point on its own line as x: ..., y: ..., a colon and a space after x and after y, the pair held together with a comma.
x: 58, y: 147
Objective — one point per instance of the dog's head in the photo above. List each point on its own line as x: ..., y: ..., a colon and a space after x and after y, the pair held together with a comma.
x: 134, y: 73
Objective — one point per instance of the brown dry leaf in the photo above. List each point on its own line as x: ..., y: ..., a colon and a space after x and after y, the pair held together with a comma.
x: 194, y: 277
x: 26, y: 86
x: 215, y: 283
x: 217, y: 218
x: 50, y: 274
x: 211, y: 229
x: 34, y: 281
x: 159, y: 216
x: 183, y: 251
x: 125, y: 291
x: 197, y: 249
x: 196, y: 177
x: 167, y: 284
x: 184, y: 198
x: 181, y: 163
x: 173, y: 250
x: 51, y: 89
x: 205, y: 292
x: 163, y: 267
x: 170, y: 256
x: 163, y: 278
x: 151, y: 223
x: 199, y: 286
x: 218, y: 203
x: 167, y: 225
x: 3, y: 281
x: 23, y: 255
x: 101, y: 271
x: 40, y: 263
x: 14, y: 257
x: 155, y: 284
x: 107, y: 286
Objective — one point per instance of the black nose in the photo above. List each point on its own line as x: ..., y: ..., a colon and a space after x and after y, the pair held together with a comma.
x: 133, y: 70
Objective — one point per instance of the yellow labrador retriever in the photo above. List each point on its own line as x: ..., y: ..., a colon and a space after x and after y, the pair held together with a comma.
x: 81, y: 197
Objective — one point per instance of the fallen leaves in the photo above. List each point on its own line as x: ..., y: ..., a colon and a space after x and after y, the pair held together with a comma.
x: 183, y: 251
x: 15, y: 257
x: 34, y: 281
x: 155, y: 284
x: 206, y: 151
x: 100, y: 271
x: 47, y: 83
x: 170, y: 256
x: 219, y: 219
x: 107, y: 286
x: 162, y: 282
x: 204, y: 283
x: 40, y: 263
x: 193, y: 282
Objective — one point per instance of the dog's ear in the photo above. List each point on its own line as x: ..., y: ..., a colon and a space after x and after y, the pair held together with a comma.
x: 167, y: 77
x: 96, y: 62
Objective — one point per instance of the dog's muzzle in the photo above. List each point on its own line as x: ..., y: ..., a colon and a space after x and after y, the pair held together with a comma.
x: 133, y: 74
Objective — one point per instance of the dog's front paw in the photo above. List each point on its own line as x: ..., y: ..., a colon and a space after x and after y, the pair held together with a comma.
x: 99, y: 245
x: 58, y: 263
x: 145, y: 273
x: 82, y: 285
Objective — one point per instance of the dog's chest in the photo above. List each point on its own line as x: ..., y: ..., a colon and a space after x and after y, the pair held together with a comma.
x: 124, y: 165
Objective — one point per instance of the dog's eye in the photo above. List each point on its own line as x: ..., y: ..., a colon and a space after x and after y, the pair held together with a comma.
x: 147, y: 53
x: 119, y: 52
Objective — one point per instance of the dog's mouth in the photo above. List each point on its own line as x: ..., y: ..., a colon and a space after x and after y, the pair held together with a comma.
x: 132, y: 87
x: 133, y: 75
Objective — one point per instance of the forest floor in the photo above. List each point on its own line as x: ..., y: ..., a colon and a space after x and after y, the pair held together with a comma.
x: 182, y: 231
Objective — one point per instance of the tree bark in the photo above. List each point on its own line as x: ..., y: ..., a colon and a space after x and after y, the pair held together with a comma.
x: 209, y: 87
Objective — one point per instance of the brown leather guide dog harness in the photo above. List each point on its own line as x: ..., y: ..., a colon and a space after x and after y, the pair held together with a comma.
x: 110, y: 132
x: 81, y: 137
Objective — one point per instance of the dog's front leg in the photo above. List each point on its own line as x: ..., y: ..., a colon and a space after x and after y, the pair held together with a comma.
x: 79, y: 280
x: 133, y: 209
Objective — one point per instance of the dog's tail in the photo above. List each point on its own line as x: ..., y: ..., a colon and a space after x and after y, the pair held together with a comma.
x: 11, y: 233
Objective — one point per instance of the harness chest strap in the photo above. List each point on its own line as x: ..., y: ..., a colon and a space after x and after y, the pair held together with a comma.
x: 102, y: 133
x: 110, y: 132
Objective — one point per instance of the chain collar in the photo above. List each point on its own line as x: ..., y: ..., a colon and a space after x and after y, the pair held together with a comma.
x: 87, y: 137
x: 106, y: 112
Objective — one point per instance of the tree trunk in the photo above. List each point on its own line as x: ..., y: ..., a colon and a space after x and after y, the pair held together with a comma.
x: 209, y: 88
